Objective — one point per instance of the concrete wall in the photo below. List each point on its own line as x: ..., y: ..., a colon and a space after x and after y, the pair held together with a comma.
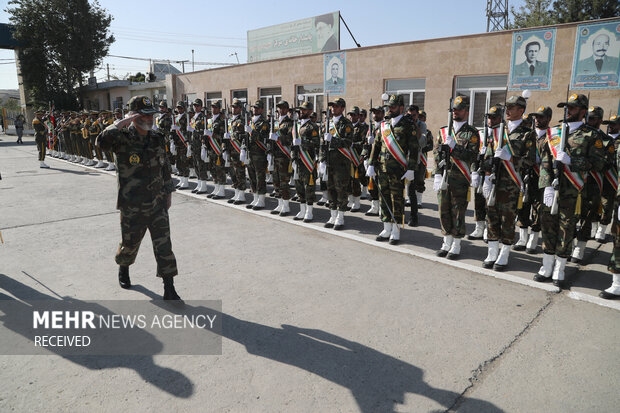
x: 437, y: 60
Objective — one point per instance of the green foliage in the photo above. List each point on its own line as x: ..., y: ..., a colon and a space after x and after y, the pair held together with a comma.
x: 548, y: 12
x: 138, y: 78
x: 62, y: 40
x: 10, y: 104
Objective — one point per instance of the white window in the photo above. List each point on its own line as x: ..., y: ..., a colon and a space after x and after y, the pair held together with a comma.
x: 483, y: 92
x: 412, y: 90
x: 314, y: 94
x: 212, y: 97
x: 270, y: 96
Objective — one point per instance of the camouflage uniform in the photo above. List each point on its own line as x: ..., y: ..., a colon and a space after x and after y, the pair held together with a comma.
x: 257, y: 150
x: 93, y: 131
x: 197, y: 122
x: 613, y: 292
x: 40, y: 135
x: 310, y: 141
x: 282, y: 161
x: 236, y: 127
x: 216, y: 126
x: 358, y: 177
x: 182, y: 158
x: 144, y: 183
x: 529, y: 215
x: 164, y: 123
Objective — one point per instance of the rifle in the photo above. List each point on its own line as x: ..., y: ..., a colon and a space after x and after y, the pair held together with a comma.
x: 556, y: 164
x: 485, y: 137
x: 324, y: 148
x: 444, y: 152
x: 497, y: 161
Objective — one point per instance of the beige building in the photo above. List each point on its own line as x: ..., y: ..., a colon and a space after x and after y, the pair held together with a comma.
x: 116, y: 93
x: 426, y: 72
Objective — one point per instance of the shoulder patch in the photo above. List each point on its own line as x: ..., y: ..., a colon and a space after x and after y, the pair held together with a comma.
x: 347, y: 129
x: 473, y: 139
x: 315, y: 133
x: 598, y: 144
x: 264, y: 127
x: 611, y: 149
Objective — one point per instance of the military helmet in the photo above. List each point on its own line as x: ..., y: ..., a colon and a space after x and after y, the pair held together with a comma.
x: 595, y: 112
x: 461, y: 102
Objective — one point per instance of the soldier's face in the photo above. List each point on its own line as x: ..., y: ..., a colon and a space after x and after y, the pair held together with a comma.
x: 493, y: 120
x: 337, y: 110
x: 257, y: 111
x: 197, y: 108
x: 514, y: 112
x: 362, y: 117
x: 144, y: 122
x: 600, y: 46
x: 542, y: 122
x: 594, y: 122
x: 354, y: 118
x: 305, y: 113
x: 575, y: 113
x: 236, y: 110
x: 394, y: 111
x: 413, y: 114
x: 282, y: 110
x: 377, y: 116
x: 614, y: 128
x: 460, y: 115
x: 180, y: 109
x: 215, y: 110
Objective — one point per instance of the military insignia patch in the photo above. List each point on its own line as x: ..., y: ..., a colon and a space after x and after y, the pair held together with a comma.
x: 347, y: 129
x: 134, y: 159
x: 540, y: 109
x: 591, y: 109
x: 146, y: 101
x: 611, y: 149
x: 315, y: 133
x: 458, y: 100
x: 264, y: 127
x: 473, y: 139
x: 614, y: 117
x: 598, y: 143
x: 572, y: 97
x: 493, y: 109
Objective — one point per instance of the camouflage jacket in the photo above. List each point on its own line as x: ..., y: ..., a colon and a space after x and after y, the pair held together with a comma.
x: 198, y: 123
x: 466, y: 150
x: 284, y: 130
x: 39, y: 129
x: 142, y: 165
x: 181, y: 122
x: 164, y: 123
x: 344, y: 139
x: 310, y: 138
x: 260, y: 134
x: 405, y: 133
x: 585, y: 148
x: 360, y: 130
x: 236, y: 128
x: 523, y: 148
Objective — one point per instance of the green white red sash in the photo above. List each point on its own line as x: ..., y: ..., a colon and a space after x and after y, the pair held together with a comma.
x: 345, y: 151
x: 462, y: 166
x: 392, y: 145
x: 213, y: 143
x: 423, y: 159
x: 257, y: 140
x: 612, y: 177
x: 598, y: 178
x: 508, y: 165
x: 179, y: 133
x: 235, y: 145
x: 285, y: 150
x: 306, y: 159
x: 555, y: 136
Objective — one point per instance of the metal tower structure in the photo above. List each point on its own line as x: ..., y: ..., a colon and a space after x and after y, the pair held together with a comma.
x: 497, y: 15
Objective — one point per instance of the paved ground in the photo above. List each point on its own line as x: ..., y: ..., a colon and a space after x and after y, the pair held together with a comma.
x: 314, y: 320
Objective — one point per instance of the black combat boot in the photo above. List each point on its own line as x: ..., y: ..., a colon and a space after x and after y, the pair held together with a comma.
x: 413, y: 218
x: 169, y: 292
x: 123, y: 276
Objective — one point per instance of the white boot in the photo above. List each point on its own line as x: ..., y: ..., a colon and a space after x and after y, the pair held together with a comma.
x: 558, y: 271
x: 254, y: 201
x: 350, y: 203
x: 374, y: 208
x: 600, y: 233
x: 485, y: 234
x: 278, y: 208
x: 110, y: 167
x: 183, y: 183
x: 547, y: 268
x: 493, y: 247
x: 91, y: 162
x: 240, y: 198
x: 502, y: 258
x: 175, y: 170
x: 221, y: 191
x: 286, y: 208
x: 323, y: 200
x: 339, y: 224
x: 356, y: 204
x: 268, y: 179
x: 308, y: 217
x: 212, y: 193
x: 365, y: 194
x: 197, y: 188
x: 332, y: 219
x: 594, y: 229
x: 43, y: 165
x: 455, y: 249
x: 385, y: 234
x: 395, y: 235
x: 478, y: 232
x: 532, y: 243
x: 522, y: 242
x: 100, y: 164
x: 260, y: 204
x: 302, y: 212
x: 578, y: 252
x: 418, y: 196
x: 192, y: 173
x: 203, y: 188
x: 291, y: 182
x: 615, y: 287
x: 234, y: 198
x: 448, y: 240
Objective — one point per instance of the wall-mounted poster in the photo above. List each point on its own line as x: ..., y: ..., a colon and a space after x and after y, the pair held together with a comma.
x: 334, y: 73
x: 532, y: 59
x: 596, y: 64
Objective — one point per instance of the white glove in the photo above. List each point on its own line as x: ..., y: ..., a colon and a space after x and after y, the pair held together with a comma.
x: 327, y: 137
x: 155, y: 127
x: 618, y: 211
x: 563, y: 157
x: 242, y: 156
x: 173, y: 148
x: 190, y: 129
x: 475, y: 179
x: 408, y: 176
x: 503, y: 154
x: 322, y: 168
x: 437, y: 182
x: 273, y: 136
x: 189, y: 151
x: 225, y: 156
x: 297, y: 142
x: 208, y: 132
x: 487, y: 186
x: 248, y: 129
x: 269, y: 159
x: 371, y: 139
x: 227, y: 135
x: 370, y: 171
x: 366, y: 163
x: 203, y: 153
x: 174, y: 127
x: 451, y: 142
x: 548, y: 196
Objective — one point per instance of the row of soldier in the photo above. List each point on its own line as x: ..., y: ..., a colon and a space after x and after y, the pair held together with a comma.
x: 522, y: 171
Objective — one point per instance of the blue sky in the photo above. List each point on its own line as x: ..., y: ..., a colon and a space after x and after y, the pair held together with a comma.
x: 170, y: 30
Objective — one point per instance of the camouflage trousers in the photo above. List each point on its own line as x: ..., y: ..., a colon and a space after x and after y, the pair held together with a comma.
x: 607, y: 204
x: 453, y: 207
x: 98, y: 152
x: 257, y: 169
x: 391, y: 189
x: 200, y: 166
x: 480, y: 206
x: 338, y: 180
x: 217, y: 167
x: 71, y: 145
x: 237, y: 171
x: 558, y: 231
x: 418, y: 184
x: 182, y: 160
x: 590, y: 204
x: 134, y: 223
x: 41, y: 148
x: 614, y: 260
x: 501, y: 216
x: 358, y: 180
x: 305, y: 189
x: 281, y: 175
x: 529, y: 214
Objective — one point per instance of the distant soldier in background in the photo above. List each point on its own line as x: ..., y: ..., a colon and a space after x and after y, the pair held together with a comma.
x: 40, y: 136
x: 613, y: 292
x: 358, y: 174
x: 282, y: 139
x: 377, y: 114
x: 181, y: 143
x: 235, y: 141
x: 257, y: 147
x: 218, y: 153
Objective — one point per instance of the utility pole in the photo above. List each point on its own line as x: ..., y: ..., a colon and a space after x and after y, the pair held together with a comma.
x: 183, y: 66
x: 192, y: 60
x: 108, y: 68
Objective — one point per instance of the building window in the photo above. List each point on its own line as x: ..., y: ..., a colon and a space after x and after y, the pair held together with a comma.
x: 241, y: 94
x: 118, y: 103
x: 312, y: 93
x: 270, y: 96
x: 212, y: 97
x: 412, y: 90
x: 483, y: 92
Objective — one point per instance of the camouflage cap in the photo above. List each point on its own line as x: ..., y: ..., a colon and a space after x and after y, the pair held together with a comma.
x: 141, y: 104
x: 395, y: 100
x: 461, y: 102
x: 94, y: 112
x: 422, y: 113
x: 377, y: 109
x: 363, y: 112
x: 340, y: 102
x: 181, y: 104
x: 258, y: 104
x: 306, y: 105
x: 516, y: 100
x: 282, y: 104
x: 237, y: 103
x: 543, y: 111
x: 575, y: 100
x: 163, y: 104
x: 595, y: 112
x: 197, y: 102
x: 496, y: 110
x: 354, y: 110
x: 613, y: 120
x: 216, y: 104
x: 118, y: 110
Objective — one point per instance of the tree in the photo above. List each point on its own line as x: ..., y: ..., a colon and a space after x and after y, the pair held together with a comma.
x: 61, y: 41
x: 138, y: 78
x: 547, y: 12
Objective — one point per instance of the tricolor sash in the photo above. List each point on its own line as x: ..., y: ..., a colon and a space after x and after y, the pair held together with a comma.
x: 344, y: 151
x: 178, y: 132
x: 306, y: 159
x: 462, y: 166
x: 423, y: 159
x: 235, y: 145
x: 392, y: 145
x: 508, y: 165
x: 612, y: 177
x: 555, y: 136
x: 285, y: 150
x: 213, y: 143
x: 598, y: 178
x: 258, y: 142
